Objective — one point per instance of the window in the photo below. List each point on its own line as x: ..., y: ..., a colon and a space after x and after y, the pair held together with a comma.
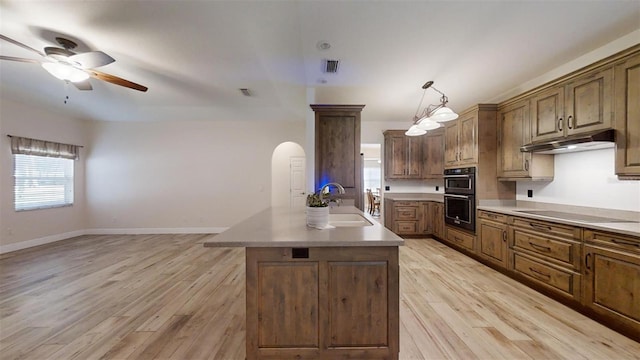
x: 43, y: 173
x: 42, y: 182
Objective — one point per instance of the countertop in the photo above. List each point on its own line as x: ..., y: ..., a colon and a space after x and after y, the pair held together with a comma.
x: 627, y: 228
x: 286, y: 227
x: 414, y: 196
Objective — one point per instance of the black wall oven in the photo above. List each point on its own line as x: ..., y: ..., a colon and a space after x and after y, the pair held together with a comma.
x: 459, y: 198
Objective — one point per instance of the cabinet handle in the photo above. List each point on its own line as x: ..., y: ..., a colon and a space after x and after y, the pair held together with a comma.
x: 540, y: 247
x: 586, y: 261
x: 569, y: 122
x: 538, y: 272
x: 526, y: 165
x: 540, y: 227
x: 457, y: 239
x: 560, y: 124
x: 504, y: 235
x: 624, y: 242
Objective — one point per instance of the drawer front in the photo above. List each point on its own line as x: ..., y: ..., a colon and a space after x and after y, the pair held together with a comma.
x: 566, y: 282
x: 460, y: 239
x: 492, y: 216
x: 406, y: 213
x: 564, y: 251
x: 406, y: 227
x: 544, y: 227
x: 617, y: 241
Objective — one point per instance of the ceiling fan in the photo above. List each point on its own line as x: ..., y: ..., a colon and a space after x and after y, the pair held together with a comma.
x: 76, y: 68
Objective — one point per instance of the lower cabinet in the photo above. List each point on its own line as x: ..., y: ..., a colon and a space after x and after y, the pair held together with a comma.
x: 612, y: 277
x: 492, y: 237
x: 460, y: 239
x: 323, y: 303
x: 414, y: 218
x: 437, y: 217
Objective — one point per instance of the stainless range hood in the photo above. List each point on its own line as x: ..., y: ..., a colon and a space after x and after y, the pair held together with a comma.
x: 600, y: 139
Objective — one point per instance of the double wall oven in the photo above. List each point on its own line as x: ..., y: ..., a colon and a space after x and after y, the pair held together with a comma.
x: 460, y: 198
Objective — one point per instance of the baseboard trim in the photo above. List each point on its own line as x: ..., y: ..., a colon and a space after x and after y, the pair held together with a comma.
x: 39, y: 241
x: 133, y: 231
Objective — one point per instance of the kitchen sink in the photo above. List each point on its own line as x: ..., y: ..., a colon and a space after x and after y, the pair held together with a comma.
x: 574, y: 217
x: 348, y: 220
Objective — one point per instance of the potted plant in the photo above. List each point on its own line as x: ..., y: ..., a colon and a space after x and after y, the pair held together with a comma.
x: 317, y: 210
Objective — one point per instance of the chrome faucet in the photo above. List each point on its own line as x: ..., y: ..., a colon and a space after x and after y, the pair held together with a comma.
x: 326, y: 190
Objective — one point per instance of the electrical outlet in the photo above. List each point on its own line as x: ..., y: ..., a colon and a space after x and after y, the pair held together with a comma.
x: 437, y: 187
x: 529, y: 193
x: 387, y: 188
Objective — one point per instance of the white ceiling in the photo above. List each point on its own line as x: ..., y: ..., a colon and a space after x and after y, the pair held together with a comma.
x: 195, y: 55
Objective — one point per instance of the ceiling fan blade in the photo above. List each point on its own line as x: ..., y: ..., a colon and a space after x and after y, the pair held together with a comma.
x: 116, y: 80
x: 92, y: 59
x: 11, y: 58
x: 83, y: 85
x: 21, y: 45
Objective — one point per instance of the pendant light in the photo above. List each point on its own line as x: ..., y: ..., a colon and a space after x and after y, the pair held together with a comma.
x: 432, y: 115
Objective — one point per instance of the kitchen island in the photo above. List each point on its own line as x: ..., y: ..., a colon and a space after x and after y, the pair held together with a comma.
x: 318, y: 294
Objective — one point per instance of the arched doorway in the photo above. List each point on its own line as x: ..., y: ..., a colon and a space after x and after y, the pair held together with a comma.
x: 288, y: 175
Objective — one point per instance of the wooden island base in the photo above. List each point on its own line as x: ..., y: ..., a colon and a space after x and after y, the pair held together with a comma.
x: 322, y: 303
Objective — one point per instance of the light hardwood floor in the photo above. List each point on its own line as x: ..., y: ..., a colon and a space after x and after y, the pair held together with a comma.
x: 168, y: 297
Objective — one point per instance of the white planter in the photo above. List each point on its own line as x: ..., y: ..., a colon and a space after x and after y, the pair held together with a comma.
x: 318, y: 216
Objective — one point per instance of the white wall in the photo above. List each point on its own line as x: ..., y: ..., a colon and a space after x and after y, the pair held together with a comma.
x: 585, y: 179
x: 39, y: 226
x: 181, y: 174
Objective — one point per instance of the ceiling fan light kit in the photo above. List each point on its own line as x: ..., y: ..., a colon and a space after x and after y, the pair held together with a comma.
x: 65, y: 72
x: 432, y: 115
x: 67, y: 65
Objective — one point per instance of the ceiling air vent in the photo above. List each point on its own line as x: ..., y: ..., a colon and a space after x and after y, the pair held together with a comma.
x: 245, y: 92
x: 330, y: 66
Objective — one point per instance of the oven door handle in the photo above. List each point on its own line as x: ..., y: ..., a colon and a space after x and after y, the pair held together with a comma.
x: 456, y: 176
x: 457, y: 196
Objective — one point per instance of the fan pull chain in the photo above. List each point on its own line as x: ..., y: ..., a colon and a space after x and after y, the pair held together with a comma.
x: 66, y: 91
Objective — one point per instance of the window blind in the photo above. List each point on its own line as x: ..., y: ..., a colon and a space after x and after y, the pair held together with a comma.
x: 42, y: 182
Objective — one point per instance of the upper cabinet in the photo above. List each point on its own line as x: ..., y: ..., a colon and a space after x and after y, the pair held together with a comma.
x: 627, y: 118
x: 337, y: 158
x: 578, y: 105
x: 462, y: 136
x: 513, y: 132
x: 433, y: 155
x: 402, y: 155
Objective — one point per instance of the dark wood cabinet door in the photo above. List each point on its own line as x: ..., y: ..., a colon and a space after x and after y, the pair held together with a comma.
x: 590, y: 102
x: 451, y: 143
x: 433, y: 155
x: 612, y: 284
x: 413, y: 161
x: 336, y: 143
x: 513, y: 132
x: 493, y: 242
x: 468, y: 143
x: 627, y: 115
x: 547, y: 114
x: 396, y: 154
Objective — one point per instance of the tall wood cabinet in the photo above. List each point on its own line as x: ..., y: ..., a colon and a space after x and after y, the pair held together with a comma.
x: 337, y: 158
x: 581, y: 104
x: 514, y: 131
x: 433, y: 155
x: 461, y: 140
x: 627, y: 118
x: 403, y: 155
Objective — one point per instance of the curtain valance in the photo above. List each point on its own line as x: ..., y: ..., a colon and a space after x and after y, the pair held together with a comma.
x: 27, y: 146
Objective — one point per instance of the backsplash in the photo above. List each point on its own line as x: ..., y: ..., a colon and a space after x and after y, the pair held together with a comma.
x: 584, y: 179
x: 415, y: 186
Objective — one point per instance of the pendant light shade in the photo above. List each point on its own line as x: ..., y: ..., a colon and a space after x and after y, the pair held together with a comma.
x: 415, y: 131
x: 443, y: 114
x: 427, y: 124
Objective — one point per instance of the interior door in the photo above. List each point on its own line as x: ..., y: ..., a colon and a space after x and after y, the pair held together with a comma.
x: 297, y: 193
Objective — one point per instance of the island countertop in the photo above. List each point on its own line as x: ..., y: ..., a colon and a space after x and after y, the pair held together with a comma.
x: 286, y: 227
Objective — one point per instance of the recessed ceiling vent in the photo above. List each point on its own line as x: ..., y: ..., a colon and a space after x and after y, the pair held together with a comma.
x: 245, y: 92
x: 330, y: 66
